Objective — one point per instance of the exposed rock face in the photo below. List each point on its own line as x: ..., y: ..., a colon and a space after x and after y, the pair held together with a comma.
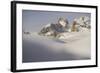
x: 62, y: 27
x: 81, y: 24
x: 26, y: 32
x: 53, y: 29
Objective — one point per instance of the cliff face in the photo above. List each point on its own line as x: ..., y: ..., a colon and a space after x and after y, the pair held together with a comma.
x: 53, y: 29
x: 80, y: 24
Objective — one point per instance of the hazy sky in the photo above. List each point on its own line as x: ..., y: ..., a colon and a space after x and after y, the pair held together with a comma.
x: 33, y: 20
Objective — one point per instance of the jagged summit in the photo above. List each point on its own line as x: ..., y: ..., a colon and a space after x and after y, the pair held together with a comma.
x: 53, y: 29
x: 81, y: 24
x: 62, y: 26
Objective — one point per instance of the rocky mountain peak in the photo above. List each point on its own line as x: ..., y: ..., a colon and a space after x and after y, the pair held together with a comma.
x: 62, y: 26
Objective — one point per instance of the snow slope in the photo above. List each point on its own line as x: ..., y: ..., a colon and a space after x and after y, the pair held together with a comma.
x: 78, y: 42
x: 71, y: 46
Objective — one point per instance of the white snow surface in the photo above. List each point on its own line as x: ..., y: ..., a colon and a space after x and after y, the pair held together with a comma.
x: 76, y: 43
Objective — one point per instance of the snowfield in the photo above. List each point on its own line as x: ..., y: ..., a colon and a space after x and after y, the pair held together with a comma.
x: 76, y: 44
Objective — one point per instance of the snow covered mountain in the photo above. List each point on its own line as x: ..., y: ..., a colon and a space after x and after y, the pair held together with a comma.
x: 63, y: 27
x: 53, y: 29
x: 70, y: 41
x: 81, y: 24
